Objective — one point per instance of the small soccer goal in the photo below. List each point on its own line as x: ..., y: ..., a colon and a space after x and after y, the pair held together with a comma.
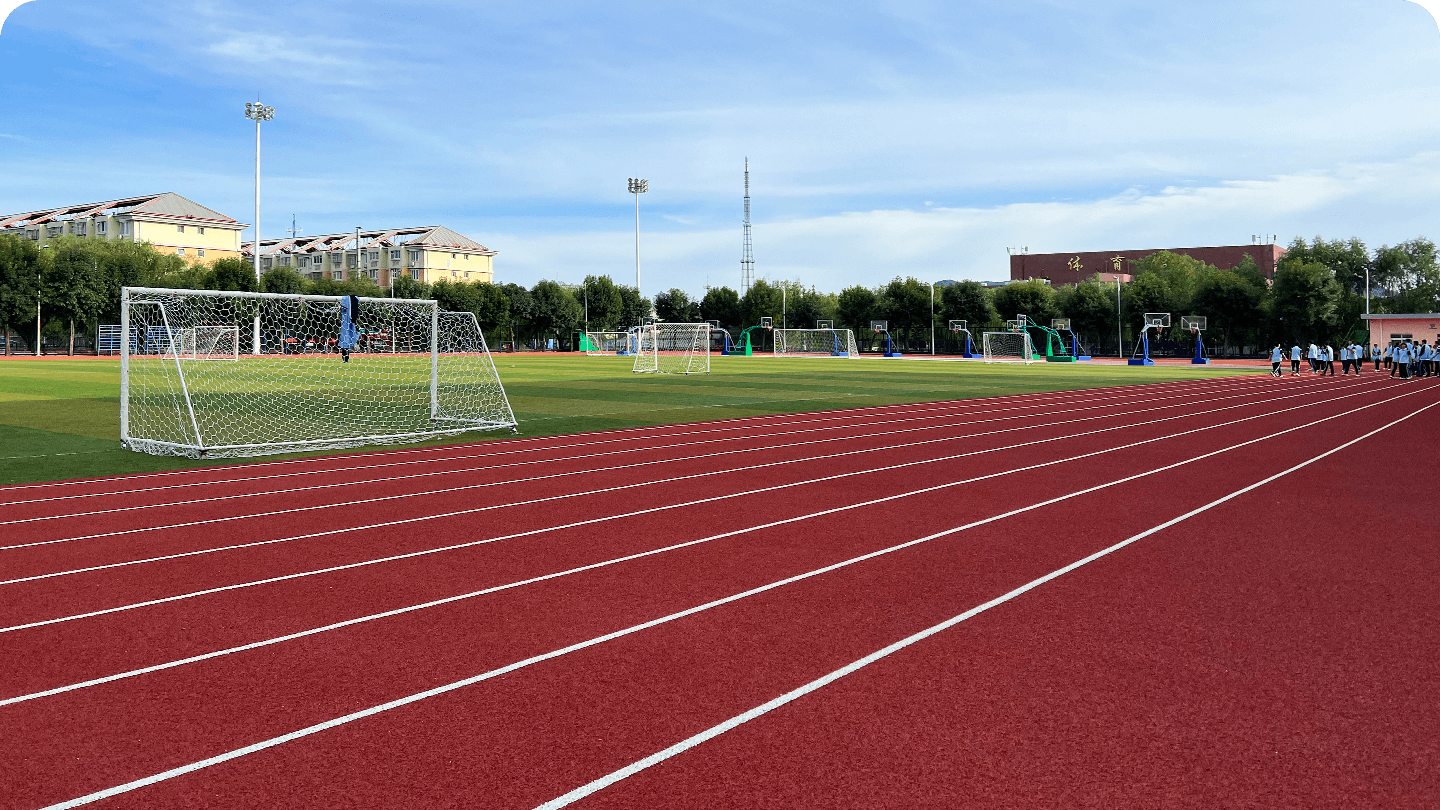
x: 1009, y: 347
x: 597, y: 343
x: 673, y: 348
x: 408, y: 372
x: 815, y: 343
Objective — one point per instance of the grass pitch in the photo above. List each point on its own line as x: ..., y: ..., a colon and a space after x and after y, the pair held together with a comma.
x: 60, y: 417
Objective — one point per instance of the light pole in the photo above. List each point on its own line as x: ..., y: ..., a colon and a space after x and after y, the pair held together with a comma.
x: 638, y: 187
x: 932, y: 319
x: 257, y: 112
x: 1119, y: 335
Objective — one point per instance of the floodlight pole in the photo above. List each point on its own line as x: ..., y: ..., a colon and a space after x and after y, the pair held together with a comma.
x: 1119, y: 327
x: 638, y: 187
x: 257, y: 112
x: 932, y: 319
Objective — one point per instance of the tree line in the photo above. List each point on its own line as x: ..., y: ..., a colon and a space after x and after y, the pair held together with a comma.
x: 1317, y: 294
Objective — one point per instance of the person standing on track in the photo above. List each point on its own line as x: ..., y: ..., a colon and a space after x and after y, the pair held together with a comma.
x: 1313, y: 357
x: 1399, y: 363
x: 1277, y: 356
x: 1330, y: 360
x: 1427, y: 358
x: 1389, y: 356
x: 1375, y: 354
x: 1344, y: 361
x: 1295, y: 360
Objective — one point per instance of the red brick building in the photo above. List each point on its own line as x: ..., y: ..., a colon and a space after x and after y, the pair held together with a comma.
x: 1072, y: 268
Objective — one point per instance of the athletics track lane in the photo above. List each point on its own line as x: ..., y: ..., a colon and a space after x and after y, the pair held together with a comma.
x: 286, y: 605
x: 270, y: 470
x: 1277, y: 651
x: 43, y: 522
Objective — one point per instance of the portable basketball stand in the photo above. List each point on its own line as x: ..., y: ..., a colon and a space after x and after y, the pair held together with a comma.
x: 728, y: 345
x: 1196, y: 325
x: 1153, y: 320
x: 961, y: 326
x: 884, y: 326
x: 765, y: 323
x: 1063, y: 325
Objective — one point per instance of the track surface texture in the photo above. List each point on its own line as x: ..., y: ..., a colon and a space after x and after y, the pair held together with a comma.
x: 1191, y: 594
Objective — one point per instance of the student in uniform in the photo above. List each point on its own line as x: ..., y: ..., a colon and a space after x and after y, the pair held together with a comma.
x: 1330, y: 360
x: 1389, y: 355
x: 1277, y: 356
x: 1345, y: 360
x: 1295, y: 360
x: 1375, y: 354
x: 1314, y: 358
x: 1427, y: 358
x: 1399, y: 363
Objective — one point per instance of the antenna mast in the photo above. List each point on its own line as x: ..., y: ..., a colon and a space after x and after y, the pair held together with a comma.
x: 747, y: 260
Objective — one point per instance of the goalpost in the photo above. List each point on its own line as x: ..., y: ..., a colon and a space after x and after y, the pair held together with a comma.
x: 1003, y: 346
x: 413, y: 373
x: 594, y: 343
x: 823, y: 342
x: 673, y: 348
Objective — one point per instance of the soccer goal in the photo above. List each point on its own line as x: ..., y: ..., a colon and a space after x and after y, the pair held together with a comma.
x: 210, y: 343
x: 1009, y: 346
x: 593, y: 343
x: 815, y: 343
x: 410, y: 372
x: 673, y: 348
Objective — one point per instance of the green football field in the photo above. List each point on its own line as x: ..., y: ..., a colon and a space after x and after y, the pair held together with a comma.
x: 59, y: 417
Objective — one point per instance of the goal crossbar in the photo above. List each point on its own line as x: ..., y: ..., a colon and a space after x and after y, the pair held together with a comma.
x: 815, y: 343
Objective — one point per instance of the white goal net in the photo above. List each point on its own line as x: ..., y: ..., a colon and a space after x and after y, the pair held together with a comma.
x: 815, y: 343
x: 605, y: 342
x: 1009, y: 346
x: 408, y: 372
x: 673, y: 348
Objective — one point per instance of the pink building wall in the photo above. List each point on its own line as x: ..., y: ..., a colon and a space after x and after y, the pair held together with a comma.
x: 1059, y: 267
x: 1419, y: 326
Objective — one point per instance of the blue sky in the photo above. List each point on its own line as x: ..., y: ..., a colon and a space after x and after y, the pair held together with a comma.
x: 901, y: 138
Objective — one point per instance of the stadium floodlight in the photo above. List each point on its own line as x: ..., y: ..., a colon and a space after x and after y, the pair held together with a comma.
x: 637, y: 187
x: 413, y: 373
x: 257, y: 112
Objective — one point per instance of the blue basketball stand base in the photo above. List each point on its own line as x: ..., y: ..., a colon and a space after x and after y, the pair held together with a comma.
x: 1082, y: 357
x: 893, y: 354
x: 1141, y: 361
x: 1200, y: 361
x: 972, y: 356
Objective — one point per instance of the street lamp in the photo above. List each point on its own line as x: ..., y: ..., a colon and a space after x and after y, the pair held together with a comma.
x: 638, y: 187
x: 257, y: 112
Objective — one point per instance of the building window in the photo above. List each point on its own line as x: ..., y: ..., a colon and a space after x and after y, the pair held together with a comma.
x: 415, y: 257
x: 200, y: 252
x: 180, y: 252
x: 304, y: 261
x: 335, y: 259
x: 351, y: 261
x: 33, y: 235
x: 265, y: 264
x: 180, y: 228
x: 374, y: 274
x: 101, y: 227
x: 79, y: 228
x: 200, y: 230
x: 394, y: 257
x: 54, y: 230
x: 453, y: 256
x: 125, y: 229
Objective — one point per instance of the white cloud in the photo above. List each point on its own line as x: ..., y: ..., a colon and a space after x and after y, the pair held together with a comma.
x: 7, y: 6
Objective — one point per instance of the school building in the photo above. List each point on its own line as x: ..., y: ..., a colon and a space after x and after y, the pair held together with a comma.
x: 169, y: 222
x: 428, y: 254
x: 1073, y: 268
x: 1389, y: 329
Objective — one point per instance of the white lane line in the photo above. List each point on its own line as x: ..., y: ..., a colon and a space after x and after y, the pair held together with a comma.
x: 955, y: 407
x: 619, y: 488
x: 497, y: 588
x: 470, y: 681
x: 1188, y: 402
x: 825, y: 680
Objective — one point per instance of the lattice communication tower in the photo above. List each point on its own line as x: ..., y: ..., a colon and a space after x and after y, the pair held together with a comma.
x: 747, y: 259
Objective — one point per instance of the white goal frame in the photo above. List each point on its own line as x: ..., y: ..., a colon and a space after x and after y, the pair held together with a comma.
x: 415, y: 373
x: 815, y: 343
x: 1007, y: 344
x: 210, y: 343
x: 603, y: 343
x: 672, y: 348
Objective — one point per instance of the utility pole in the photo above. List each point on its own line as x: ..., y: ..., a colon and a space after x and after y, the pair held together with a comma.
x: 257, y: 112
x: 638, y: 187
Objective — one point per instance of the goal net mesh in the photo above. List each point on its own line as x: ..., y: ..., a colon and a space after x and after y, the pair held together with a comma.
x: 816, y: 343
x: 413, y: 373
x: 1003, y: 346
x: 673, y: 348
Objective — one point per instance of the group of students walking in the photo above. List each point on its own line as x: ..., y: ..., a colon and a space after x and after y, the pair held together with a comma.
x: 1407, y: 359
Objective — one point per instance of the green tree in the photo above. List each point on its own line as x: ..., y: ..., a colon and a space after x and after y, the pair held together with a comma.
x: 1348, y: 259
x: 722, y: 304
x: 492, y: 308
x: 1408, y: 272
x: 634, y: 308
x: 360, y: 285
x: 968, y: 301
x: 522, y: 312
x: 234, y: 274
x: 1090, y: 306
x: 1165, y: 282
x: 603, y: 303
x: 1304, y: 299
x: 804, y: 308
x: 905, y: 303
x: 19, y: 283
x: 1034, y: 299
x: 407, y: 287
x: 855, y: 309
x: 762, y: 300
x: 280, y: 280
x: 1233, y: 306
x: 673, y: 306
x: 73, y: 287
x: 557, y: 313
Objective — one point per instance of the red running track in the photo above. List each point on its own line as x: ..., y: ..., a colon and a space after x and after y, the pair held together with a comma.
x: 871, y: 620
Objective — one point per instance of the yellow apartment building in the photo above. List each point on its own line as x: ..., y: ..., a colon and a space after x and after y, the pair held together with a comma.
x: 169, y: 222
x: 426, y: 254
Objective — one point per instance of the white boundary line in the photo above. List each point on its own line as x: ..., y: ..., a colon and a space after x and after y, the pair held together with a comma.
x: 955, y: 407
x: 569, y: 495
x: 765, y: 708
x: 592, y: 787
x: 595, y: 470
